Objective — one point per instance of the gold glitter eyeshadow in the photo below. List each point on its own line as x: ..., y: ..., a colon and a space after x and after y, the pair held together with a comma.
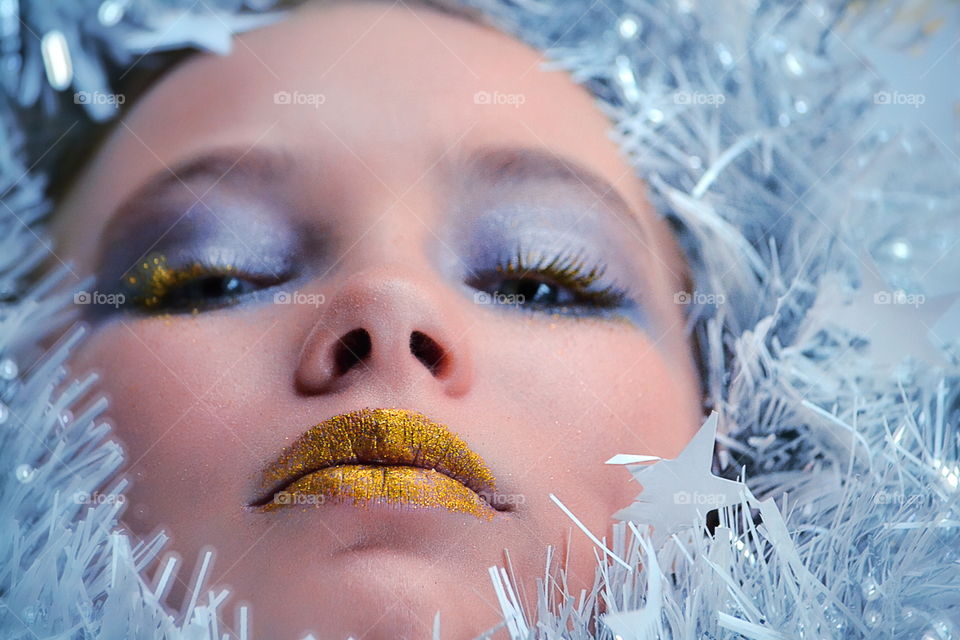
x: 153, y: 279
x: 381, y: 455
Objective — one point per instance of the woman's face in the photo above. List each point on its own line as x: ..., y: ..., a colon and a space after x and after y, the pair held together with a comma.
x: 375, y: 207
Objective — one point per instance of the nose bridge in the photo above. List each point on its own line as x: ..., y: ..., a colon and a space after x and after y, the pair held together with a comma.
x: 396, y: 211
x: 389, y: 325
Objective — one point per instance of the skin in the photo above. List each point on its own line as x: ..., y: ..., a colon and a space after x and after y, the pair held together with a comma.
x: 383, y: 175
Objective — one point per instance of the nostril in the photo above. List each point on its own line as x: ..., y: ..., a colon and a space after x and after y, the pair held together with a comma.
x: 352, y: 348
x: 427, y: 351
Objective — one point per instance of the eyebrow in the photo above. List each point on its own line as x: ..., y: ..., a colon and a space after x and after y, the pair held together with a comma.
x: 226, y: 163
x: 528, y: 164
x: 264, y: 165
x: 245, y: 166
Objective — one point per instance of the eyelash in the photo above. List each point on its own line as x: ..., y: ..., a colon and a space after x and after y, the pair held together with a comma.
x: 566, y: 269
x: 153, y: 283
x: 152, y: 286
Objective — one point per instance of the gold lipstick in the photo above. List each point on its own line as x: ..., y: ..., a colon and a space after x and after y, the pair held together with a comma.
x: 380, y: 455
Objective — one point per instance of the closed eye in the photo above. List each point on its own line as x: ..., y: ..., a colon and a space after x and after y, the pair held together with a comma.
x: 155, y: 286
x: 563, y: 281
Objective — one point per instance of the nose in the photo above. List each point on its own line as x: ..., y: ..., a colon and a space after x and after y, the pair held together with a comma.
x: 386, y: 327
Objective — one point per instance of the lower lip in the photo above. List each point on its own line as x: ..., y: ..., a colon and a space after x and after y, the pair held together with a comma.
x: 365, y: 484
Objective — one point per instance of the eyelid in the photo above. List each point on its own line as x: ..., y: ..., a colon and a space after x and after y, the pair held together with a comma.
x: 155, y: 278
x: 248, y: 170
x: 530, y: 167
x: 241, y: 225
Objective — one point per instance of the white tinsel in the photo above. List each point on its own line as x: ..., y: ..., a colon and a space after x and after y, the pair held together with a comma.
x: 751, y: 122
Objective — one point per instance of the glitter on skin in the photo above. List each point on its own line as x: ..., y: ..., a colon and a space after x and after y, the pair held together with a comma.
x: 388, y: 455
x: 153, y: 279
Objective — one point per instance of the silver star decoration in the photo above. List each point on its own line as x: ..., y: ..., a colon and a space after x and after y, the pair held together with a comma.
x: 676, y: 491
x: 897, y: 324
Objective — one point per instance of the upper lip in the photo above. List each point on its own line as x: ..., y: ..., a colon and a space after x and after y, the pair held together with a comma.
x: 379, y: 437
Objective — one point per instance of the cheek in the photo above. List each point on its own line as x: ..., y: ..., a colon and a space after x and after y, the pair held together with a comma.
x: 602, y: 387
x: 584, y: 391
x: 183, y: 399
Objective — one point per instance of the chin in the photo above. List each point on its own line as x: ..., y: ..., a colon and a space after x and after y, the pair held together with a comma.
x: 377, y: 591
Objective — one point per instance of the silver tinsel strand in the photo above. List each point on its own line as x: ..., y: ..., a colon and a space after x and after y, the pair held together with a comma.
x: 752, y: 124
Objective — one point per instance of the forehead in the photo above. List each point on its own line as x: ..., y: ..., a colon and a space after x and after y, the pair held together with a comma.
x: 377, y: 90
x: 395, y: 86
